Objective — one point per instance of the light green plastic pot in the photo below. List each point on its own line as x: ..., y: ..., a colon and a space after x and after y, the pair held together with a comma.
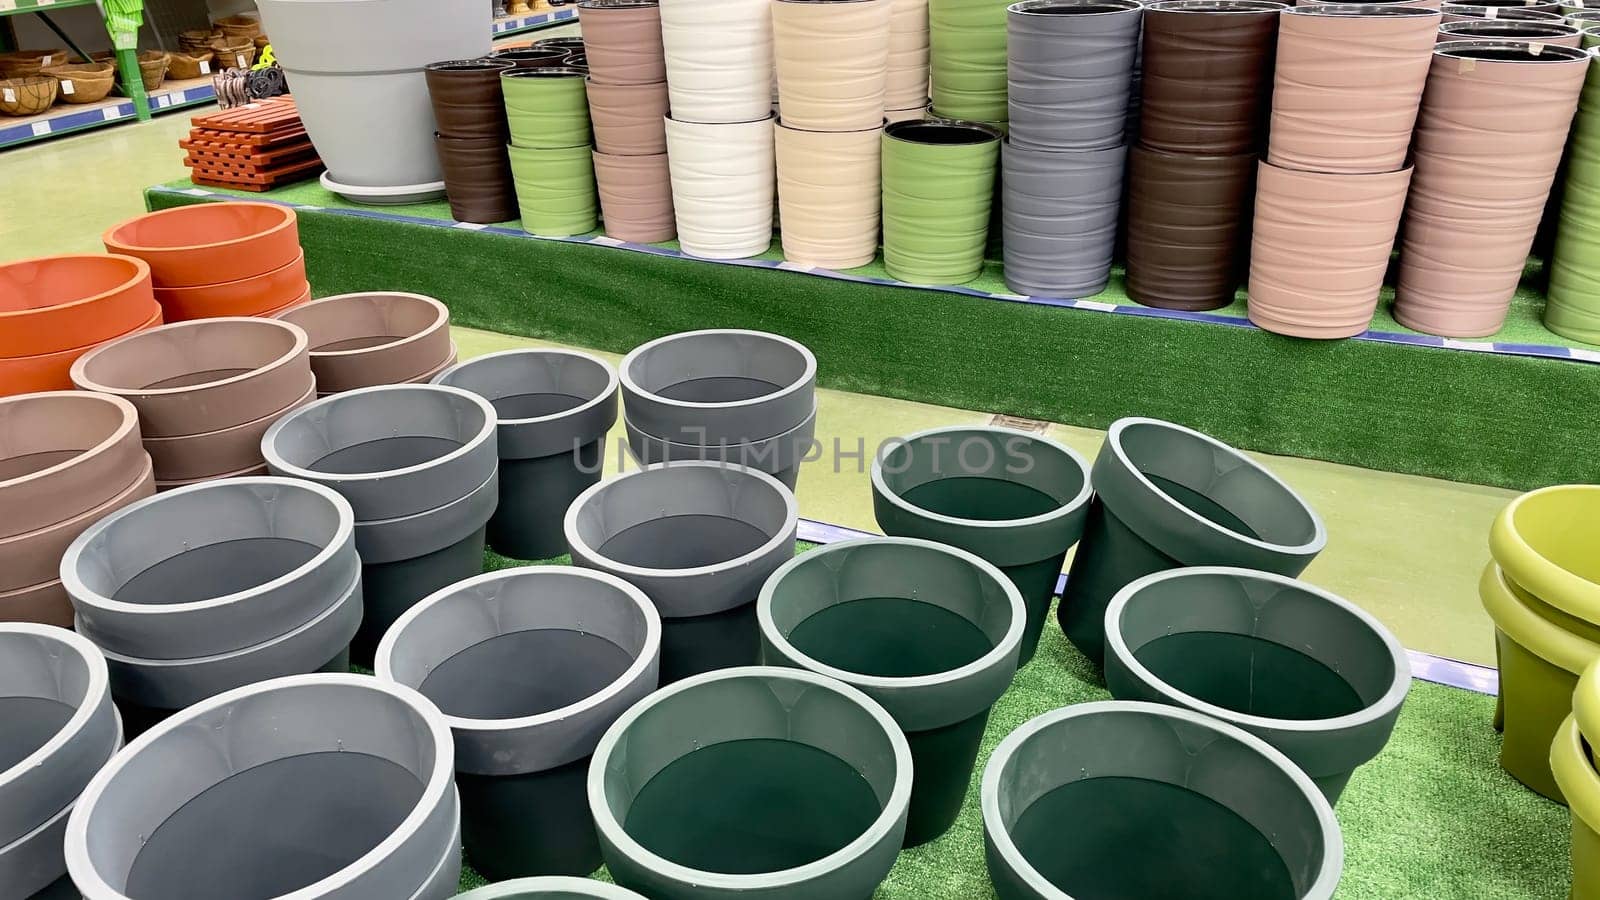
x: 546, y: 107
x: 1573, y: 307
x: 1572, y: 762
x: 938, y: 186
x: 555, y: 190
x: 557, y: 888
x: 967, y: 58
x: 1544, y: 540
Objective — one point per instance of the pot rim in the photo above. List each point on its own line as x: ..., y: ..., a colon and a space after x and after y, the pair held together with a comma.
x: 286, y: 214
x: 989, y: 131
x: 1363, y: 10
x: 1548, y: 54
x: 1527, y: 565
x: 1575, y: 773
x: 79, y: 375
x: 192, y: 290
x: 141, y: 272
x: 1586, y: 705
x: 546, y: 71
x: 555, y: 885
x: 1327, y: 878
x: 777, y: 120
x: 129, y: 423
x: 514, y: 53
x: 1033, y: 7
x: 769, y: 117
x: 893, y: 808
x: 610, y: 392
x: 1217, y: 7
x: 480, y: 64
x: 1312, y: 175
x: 441, y: 320
x: 99, y: 684
x: 1535, y: 27
x: 617, y: 4
x: 806, y: 381
x: 1528, y: 628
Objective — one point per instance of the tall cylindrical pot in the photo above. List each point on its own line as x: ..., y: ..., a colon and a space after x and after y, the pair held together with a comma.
x: 628, y: 119
x: 906, y: 81
x: 1207, y: 75
x: 547, y: 107
x: 635, y: 197
x: 1572, y: 308
x: 967, y: 59
x: 1186, y: 222
x: 719, y: 59
x: 1060, y: 218
x: 466, y: 98
x: 477, y: 179
x: 722, y: 185
x: 832, y: 58
x: 1070, y: 71
x: 938, y: 186
x: 555, y: 190
x: 720, y: 385
x: 829, y: 192
x: 622, y: 41
x: 1571, y: 760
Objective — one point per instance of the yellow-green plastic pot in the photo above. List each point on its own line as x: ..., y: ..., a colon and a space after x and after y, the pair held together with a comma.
x: 938, y: 186
x: 546, y: 107
x: 1573, y: 307
x: 1586, y: 705
x: 1545, y: 540
x: 1571, y: 760
x: 555, y: 190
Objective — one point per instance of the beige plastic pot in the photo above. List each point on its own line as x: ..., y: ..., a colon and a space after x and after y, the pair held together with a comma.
x: 913, y: 114
x: 722, y: 186
x: 372, y: 338
x: 1559, y: 34
x: 719, y: 59
x: 1320, y: 248
x: 63, y: 452
x: 832, y: 59
x: 33, y: 558
x: 627, y: 118
x: 828, y: 195
x: 906, y: 81
x: 214, y: 454
x: 635, y: 197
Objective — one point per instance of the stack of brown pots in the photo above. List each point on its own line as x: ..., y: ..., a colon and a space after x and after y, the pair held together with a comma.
x: 627, y: 90
x: 1497, y: 107
x: 67, y: 459
x: 1527, y: 31
x: 377, y: 337
x: 1330, y: 193
x: 1207, y: 74
x: 832, y: 60
x: 206, y: 391
x: 470, y: 113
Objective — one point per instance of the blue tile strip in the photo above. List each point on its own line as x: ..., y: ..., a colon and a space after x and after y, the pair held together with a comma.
x: 70, y: 119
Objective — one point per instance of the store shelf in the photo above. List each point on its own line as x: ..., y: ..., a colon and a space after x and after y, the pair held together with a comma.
x: 65, y: 119
x: 517, y: 24
x: 21, y: 6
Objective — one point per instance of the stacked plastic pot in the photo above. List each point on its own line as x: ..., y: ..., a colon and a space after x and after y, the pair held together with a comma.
x: 938, y: 193
x: 1573, y: 306
x: 967, y: 59
x: 206, y: 391
x: 1528, y: 31
x: 551, y: 158
x: 470, y: 115
x: 218, y: 259
x: 372, y: 338
x: 1330, y: 193
x: 1572, y: 763
x: 905, y: 91
x: 627, y: 95
x: 1071, y: 67
x: 832, y: 60
x: 720, y: 131
x: 69, y: 459
x: 1207, y: 75
x: 57, y: 308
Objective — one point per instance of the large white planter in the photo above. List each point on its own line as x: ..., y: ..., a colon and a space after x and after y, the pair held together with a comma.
x: 356, y: 69
x: 723, y: 179
x: 719, y: 59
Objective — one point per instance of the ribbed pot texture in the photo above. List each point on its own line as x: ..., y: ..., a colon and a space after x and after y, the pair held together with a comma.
x: 1573, y: 307
x: 906, y: 84
x: 719, y: 59
x: 1320, y: 247
x: 1348, y: 84
x: 547, y: 107
x: 555, y: 190
x: 1060, y: 219
x: 477, y: 179
x: 1070, y: 72
x: 829, y: 195
x: 1186, y: 220
x: 967, y: 58
x: 622, y: 41
x: 1558, y: 34
x: 635, y: 197
x: 1207, y: 74
x: 832, y: 60
x: 466, y: 98
x: 938, y: 185
x: 628, y: 119
x: 722, y: 186
x: 1491, y: 107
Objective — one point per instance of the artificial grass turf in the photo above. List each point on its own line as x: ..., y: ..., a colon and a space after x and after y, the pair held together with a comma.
x: 1501, y: 420
x: 1433, y: 816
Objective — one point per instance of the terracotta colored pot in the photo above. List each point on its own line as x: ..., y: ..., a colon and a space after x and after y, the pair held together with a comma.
x: 367, y: 339
x: 194, y: 377
x: 546, y: 107
x: 1071, y: 67
x: 719, y: 59
x: 1491, y: 106
x: 622, y: 41
x: 1573, y: 307
x: 829, y: 195
x: 555, y: 189
x: 635, y: 197
x: 1348, y: 84
x: 215, y: 454
x: 1186, y: 217
x: 64, y: 452
x: 305, y: 297
x: 56, y: 303
x: 1060, y: 219
x: 466, y: 97
x: 477, y: 179
x: 723, y: 178
x: 832, y: 59
x: 628, y: 119
x: 1207, y: 74
x: 1529, y: 31
x: 209, y: 243
x: 1320, y: 247
x: 51, y: 371
x: 906, y: 84
x: 967, y: 59
x: 46, y: 604
x: 1456, y: 12
x: 34, y: 557
x: 531, y: 57
x: 246, y: 297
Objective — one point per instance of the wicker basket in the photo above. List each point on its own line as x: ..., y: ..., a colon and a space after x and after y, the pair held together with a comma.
x: 196, y: 40
x: 187, y: 65
x: 239, y: 27
x: 27, y: 96
x: 232, y: 54
x: 152, y: 68
x: 21, y: 63
x: 82, y: 82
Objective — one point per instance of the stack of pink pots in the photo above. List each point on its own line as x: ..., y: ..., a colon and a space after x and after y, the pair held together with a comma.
x: 627, y: 88
x: 375, y: 337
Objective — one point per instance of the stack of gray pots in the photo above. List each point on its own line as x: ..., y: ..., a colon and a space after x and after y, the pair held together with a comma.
x: 743, y: 397
x: 322, y: 787
x: 1069, y: 75
x: 530, y: 667
x: 206, y: 588
x: 554, y: 409
x: 553, y: 888
x: 57, y: 728
x: 418, y: 464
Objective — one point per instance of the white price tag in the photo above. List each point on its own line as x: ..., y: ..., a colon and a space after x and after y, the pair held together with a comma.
x: 49, y: 2
x: 1492, y: 12
x: 66, y: 87
x: 240, y: 60
x: 45, y: 60
x: 10, y: 95
x: 205, y: 67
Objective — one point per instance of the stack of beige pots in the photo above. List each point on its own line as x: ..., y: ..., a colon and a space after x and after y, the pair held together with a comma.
x: 1329, y: 196
x: 206, y: 391
x: 376, y: 337
x: 67, y: 459
x: 627, y: 88
x: 905, y: 91
x: 832, y: 70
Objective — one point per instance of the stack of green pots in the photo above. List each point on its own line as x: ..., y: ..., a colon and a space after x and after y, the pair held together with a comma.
x: 1573, y: 308
x: 967, y: 59
x: 551, y: 157
x: 1572, y: 761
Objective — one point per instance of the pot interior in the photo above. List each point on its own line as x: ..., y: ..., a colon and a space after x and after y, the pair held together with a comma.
x: 617, y: 4
x: 1559, y: 524
x: 1074, y: 7
x: 1359, y: 8
x: 1507, y: 51
x: 191, y: 355
x: 529, y: 54
x: 682, y: 517
x: 1216, y: 6
x: 552, y: 71
x: 982, y: 475
x: 364, y: 321
x: 468, y: 66
x: 1123, y: 803
x: 560, y: 43
x: 42, y: 684
x: 750, y: 774
x: 943, y: 133
x: 53, y: 281
x: 46, y: 431
x: 1502, y: 12
x: 1512, y: 29
x: 717, y: 367
x: 366, y: 432
x: 530, y: 384
x: 201, y: 225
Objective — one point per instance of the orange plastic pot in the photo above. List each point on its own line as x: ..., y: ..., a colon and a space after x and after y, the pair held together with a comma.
x: 52, y: 371
x: 34, y: 558
x: 63, y: 452
x: 372, y: 338
x: 46, y: 604
x: 304, y: 298
x: 209, y: 243
x: 57, y: 303
x: 246, y: 297
x: 216, y: 453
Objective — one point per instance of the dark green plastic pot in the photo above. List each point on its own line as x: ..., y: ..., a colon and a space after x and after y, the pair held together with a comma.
x: 1017, y: 500
x: 938, y: 186
x: 1167, y: 496
x: 553, y: 888
x: 546, y: 107
x: 929, y: 631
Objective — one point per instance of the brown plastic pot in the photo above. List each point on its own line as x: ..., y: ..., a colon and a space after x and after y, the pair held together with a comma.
x: 829, y: 195
x: 428, y: 376
x: 477, y: 178
x: 1525, y: 30
x: 635, y: 197
x: 1457, y: 12
x: 531, y: 57
x: 832, y: 59
x: 50, y: 371
x: 1320, y: 247
x: 194, y: 377
x: 47, y: 604
x: 34, y: 557
x: 622, y: 41
x: 215, y: 454
x: 56, y: 303
x: 1187, y: 217
x: 208, y: 243
x: 63, y: 452
x: 372, y: 338
x: 1207, y: 75
x: 1348, y: 84
x: 1488, y: 142
x: 466, y: 98
x: 246, y: 297
x: 628, y: 119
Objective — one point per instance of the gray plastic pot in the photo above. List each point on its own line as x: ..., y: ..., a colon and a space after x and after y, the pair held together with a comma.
x: 779, y: 456
x: 1059, y: 218
x: 1016, y: 500
x: 795, y: 787
x: 553, y: 888
x: 718, y: 385
x: 1308, y: 672
x: 929, y: 631
x: 1118, y: 799
x: 1070, y: 70
x: 357, y: 769
x: 60, y: 728
x: 699, y: 538
x: 554, y: 408
x: 1167, y: 496
x: 530, y: 666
